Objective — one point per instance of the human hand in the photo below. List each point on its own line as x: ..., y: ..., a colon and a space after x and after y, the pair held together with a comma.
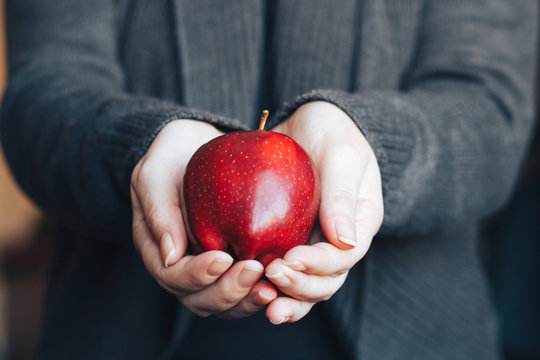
x: 350, y: 214
x: 208, y: 283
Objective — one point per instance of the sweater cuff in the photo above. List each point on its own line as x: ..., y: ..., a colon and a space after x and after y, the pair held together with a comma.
x: 147, y: 125
x: 134, y: 130
x: 386, y: 125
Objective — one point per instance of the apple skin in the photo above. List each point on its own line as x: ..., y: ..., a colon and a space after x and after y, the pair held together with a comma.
x: 255, y: 192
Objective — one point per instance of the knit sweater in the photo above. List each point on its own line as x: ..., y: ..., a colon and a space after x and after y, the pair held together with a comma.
x: 441, y: 89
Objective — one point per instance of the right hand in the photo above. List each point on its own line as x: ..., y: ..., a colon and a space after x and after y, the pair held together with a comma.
x: 208, y: 283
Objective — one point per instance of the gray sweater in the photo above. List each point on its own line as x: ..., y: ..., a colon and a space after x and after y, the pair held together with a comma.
x: 442, y: 90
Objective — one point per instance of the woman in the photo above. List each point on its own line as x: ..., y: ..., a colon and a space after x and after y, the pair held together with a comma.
x: 429, y: 102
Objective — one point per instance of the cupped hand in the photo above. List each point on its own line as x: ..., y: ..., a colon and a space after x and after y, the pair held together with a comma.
x: 208, y: 283
x: 350, y: 214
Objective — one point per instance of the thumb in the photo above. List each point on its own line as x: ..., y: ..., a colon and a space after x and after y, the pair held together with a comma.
x: 341, y: 172
x: 160, y: 202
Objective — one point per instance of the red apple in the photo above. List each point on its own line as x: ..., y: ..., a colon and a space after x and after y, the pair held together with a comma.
x: 255, y: 192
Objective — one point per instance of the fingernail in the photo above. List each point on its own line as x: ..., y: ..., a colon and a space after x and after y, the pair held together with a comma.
x: 219, y: 265
x: 281, y: 321
x: 167, y: 244
x: 279, y: 279
x: 266, y: 297
x: 249, y: 274
x: 295, y: 265
x: 346, y: 232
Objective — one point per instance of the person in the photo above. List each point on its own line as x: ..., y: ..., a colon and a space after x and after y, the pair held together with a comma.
x: 419, y: 111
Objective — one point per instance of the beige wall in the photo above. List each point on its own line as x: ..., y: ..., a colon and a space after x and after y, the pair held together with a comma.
x: 17, y: 214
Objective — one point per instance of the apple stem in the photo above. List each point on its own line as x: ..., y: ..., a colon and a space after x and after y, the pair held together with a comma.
x: 264, y: 116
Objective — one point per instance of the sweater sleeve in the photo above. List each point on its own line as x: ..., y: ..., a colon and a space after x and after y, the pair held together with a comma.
x: 449, y: 142
x: 70, y: 131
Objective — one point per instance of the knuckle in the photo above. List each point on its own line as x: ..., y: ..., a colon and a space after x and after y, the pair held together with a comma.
x: 228, y: 299
x: 340, y: 201
x: 153, y: 214
x: 140, y: 172
x: 366, y: 205
x: 198, y: 279
x: 145, y: 171
x: 304, y: 291
x: 369, y: 210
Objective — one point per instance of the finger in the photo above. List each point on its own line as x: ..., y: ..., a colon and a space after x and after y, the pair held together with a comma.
x: 301, y: 286
x: 227, y: 291
x: 285, y: 309
x: 371, y: 197
x: 190, y: 274
x: 158, y: 193
x: 147, y: 248
x: 144, y: 242
x: 193, y: 273
x: 369, y: 207
x: 139, y: 228
x: 341, y: 170
x: 324, y: 259
x: 260, y: 295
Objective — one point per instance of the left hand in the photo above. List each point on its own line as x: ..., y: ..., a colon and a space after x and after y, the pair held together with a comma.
x: 208, y: 283
x: 350, y: 214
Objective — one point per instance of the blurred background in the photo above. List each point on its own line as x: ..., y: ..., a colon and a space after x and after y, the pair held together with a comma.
x: 511, y: 249
x: 24, y: 253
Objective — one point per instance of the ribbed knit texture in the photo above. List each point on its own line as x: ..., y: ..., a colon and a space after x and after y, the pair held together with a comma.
x: 441, y: 89
x: 205, y: 36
